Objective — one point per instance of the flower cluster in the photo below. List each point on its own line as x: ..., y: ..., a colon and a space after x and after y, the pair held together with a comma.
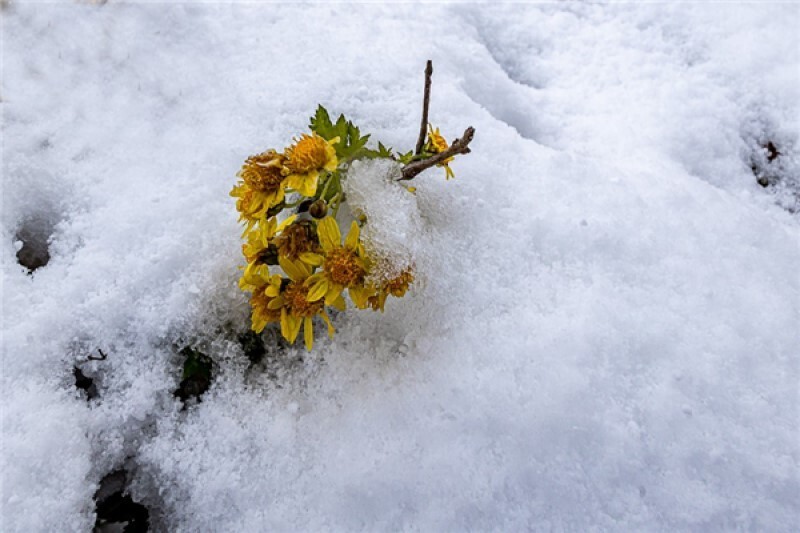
x: 299, y: 266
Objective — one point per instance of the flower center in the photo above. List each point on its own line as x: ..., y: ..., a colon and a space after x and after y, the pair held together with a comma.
x: 295, y: 298
x: 307, y: 154
x: 259, y: 302
x: 399, y: 285
x: 343, y: 267
x: 262, y: 172
x: 295, y: 240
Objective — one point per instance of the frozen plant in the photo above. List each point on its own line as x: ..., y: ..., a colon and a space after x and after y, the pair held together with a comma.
x: 298, y: 265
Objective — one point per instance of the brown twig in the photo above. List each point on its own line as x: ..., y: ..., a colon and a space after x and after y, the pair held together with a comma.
x: 459, y: 146
x: 101, y: 358
x: 426, y: 100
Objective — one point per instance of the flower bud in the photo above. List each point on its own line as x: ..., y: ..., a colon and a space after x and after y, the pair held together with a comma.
x: 318, y: 209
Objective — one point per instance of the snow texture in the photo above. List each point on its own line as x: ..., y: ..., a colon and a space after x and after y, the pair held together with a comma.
x: 604, y: 335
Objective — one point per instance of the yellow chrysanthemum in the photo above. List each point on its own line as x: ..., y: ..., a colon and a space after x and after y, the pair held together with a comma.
x: 260, y: 238
x: 261, y: 185
x: 305, y: 159
x: 437, y: 143
x: 343, y: 266
x: 397, y: 287
x: 295, y: 308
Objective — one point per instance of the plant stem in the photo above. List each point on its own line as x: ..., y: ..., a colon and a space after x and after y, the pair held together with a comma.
x: 459, y: 146
x: 426, y: 100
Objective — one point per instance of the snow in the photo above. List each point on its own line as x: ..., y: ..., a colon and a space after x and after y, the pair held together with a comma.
x: 604, y: 330
x: 395, y: 234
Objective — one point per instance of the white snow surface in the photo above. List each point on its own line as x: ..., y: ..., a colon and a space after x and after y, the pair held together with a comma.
x: 604, y: 333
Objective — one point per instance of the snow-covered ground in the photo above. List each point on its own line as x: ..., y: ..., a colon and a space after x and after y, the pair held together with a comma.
x: 605, y: 335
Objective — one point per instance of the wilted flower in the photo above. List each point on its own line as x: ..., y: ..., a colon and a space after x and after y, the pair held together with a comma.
x: 396, y: 286
x: 297, y: 239
x: 261, y: 185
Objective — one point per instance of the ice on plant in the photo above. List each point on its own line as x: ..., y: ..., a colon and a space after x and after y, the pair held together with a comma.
x: 604, y: 336
x: 395, y: 231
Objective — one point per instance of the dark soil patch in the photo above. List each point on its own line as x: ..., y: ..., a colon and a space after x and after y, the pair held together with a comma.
x: 116, y: 510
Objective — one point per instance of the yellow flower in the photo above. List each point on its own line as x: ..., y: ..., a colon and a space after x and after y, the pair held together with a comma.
x: 266, y: 290
x: 295, y: 308
x: 438, y: 144
x: 397, y: 287
x: 260, y: 237
x: 305, y: 159
x: 343, y: 266
x: 261, y: 185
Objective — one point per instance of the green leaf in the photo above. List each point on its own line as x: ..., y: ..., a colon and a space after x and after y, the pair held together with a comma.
x: 197, y: 365
x: 406, y: 157
x: 351, y: 144
x: 321, y: 124
x: 381, y: 152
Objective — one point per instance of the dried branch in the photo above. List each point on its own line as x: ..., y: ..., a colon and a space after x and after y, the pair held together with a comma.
x: 101, y: 358
x: 459, y: 146
x: 425, y: 103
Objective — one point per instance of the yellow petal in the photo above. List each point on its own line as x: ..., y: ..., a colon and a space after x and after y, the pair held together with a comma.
x: 311, y: 258
x: 275, y: 303
x: 329, y: 235
x: 284, y: 324
x: 351, y: 242
x: 327, y: 320
x: 296, y: 270
x: 294, y: 327
x: 309, y: 185
x: 258, y: 323
x: 339, y: 303
x: 334, y: 291
x: 330, y: 154
x: 359, y: 297
x: 308, y: 332
x: 272, y: 291
x: 382, y: 300
x: 286, y: 222
x: 317, y: 291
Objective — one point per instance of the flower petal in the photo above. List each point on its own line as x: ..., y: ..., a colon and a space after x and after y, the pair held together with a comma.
x: 311, y: 258
x: 285, y: 223
x: 317, y: 291
x: 327, y: 319
x: 359, y: 297
x: 272, y: 291
x: 284, y: 324
x: 339, y: 303
x: 308, y: 332
x: 329, y: 235
x: 351, y: 242
x: 294, y: 327
x: 296, y: 270
x: 334, y: 291
x: 309, y: 185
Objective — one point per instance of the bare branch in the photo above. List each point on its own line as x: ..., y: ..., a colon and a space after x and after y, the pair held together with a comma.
x: 101, y: 358
x: 459, y: 146
x: 426, y: 100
